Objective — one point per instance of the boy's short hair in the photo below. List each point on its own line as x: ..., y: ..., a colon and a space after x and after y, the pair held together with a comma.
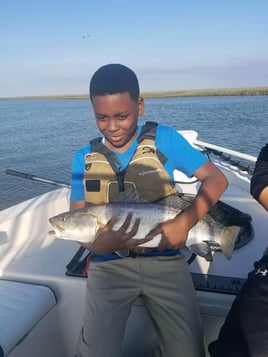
x: 113, y: 79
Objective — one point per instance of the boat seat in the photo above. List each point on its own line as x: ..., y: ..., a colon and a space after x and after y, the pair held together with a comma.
x: 22, y: 306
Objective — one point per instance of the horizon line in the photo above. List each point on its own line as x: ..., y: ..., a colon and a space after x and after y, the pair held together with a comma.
x: 165, y: 93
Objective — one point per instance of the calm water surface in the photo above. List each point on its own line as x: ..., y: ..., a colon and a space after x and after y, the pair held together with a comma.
x: 40, y: 136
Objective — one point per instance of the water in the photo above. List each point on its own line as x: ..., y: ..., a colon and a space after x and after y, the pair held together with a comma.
x: 40, y: 136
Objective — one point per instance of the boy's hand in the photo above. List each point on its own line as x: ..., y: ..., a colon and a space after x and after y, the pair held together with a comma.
x: 174, y: 233
x: 109, y: 241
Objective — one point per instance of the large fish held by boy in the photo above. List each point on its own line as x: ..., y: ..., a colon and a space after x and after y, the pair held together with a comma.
x: 223, y: 228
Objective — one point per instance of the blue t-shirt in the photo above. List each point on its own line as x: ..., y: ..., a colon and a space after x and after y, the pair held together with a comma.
x: 181, y: 156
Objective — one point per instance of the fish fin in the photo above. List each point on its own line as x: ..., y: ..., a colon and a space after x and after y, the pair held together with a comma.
x: 202, y: 249
x: 209, y: 257
x: 129, y: 195
x: 181, y: 201
x: 228, y: 237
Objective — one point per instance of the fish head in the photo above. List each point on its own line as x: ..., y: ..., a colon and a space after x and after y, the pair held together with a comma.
x: 75, y: 225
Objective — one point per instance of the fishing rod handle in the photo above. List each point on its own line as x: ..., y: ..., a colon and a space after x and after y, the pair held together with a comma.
x: 19, y: 174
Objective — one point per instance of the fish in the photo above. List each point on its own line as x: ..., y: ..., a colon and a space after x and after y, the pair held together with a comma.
x: 218, y: 230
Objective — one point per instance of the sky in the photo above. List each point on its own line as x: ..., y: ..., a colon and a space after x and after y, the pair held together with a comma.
x: 52, y: 47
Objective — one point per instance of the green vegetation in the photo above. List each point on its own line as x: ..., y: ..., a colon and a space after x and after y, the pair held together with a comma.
x: 208, y: 92
x: 166, y: 94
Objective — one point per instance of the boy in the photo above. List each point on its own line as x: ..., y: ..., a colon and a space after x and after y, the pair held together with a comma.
x: 131, y: 157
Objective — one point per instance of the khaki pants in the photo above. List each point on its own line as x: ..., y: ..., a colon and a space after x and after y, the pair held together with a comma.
x: 167, y: 290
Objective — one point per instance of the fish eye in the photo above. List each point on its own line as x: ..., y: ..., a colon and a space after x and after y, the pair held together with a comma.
x: 63, y: 219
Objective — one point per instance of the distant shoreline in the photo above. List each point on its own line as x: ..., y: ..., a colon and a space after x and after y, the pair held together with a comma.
x: 250, y: 91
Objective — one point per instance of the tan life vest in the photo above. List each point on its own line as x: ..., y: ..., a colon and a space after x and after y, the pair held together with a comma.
x: 145, y: 174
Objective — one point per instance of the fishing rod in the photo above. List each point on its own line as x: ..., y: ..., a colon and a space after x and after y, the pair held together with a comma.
x: 55, y: 183
x: 36, y: 178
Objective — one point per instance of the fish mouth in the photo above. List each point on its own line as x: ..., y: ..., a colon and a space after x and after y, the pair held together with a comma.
x: 57, y: 227
x: 52, y: 233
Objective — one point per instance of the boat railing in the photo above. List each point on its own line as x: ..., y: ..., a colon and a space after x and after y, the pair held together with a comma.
x: 221, y: 149
x: 227, y: 155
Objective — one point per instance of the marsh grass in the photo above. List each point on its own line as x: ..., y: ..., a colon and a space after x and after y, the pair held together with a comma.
x: 165, y: 94
x: 209, y: 92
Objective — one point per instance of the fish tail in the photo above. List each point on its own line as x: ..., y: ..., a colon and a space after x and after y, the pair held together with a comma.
x: 228, y: 237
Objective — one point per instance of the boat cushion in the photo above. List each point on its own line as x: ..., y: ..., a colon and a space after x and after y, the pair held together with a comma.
x: 22, y: 306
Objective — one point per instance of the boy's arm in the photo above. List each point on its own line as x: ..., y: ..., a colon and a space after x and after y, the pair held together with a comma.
x: 76, y: 204
x: 259, y: 180
x: 263, y: 198
x: 175, y: 231
x: 214, y: 183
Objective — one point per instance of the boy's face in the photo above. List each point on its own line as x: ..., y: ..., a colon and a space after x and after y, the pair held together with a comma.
x: 117, y: 117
